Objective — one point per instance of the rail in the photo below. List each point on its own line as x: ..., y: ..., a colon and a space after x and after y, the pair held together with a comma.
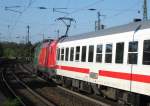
x: 45, y: 101
x: 11, y: 90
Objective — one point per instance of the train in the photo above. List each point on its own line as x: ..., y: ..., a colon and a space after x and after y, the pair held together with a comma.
x: 113, y: 62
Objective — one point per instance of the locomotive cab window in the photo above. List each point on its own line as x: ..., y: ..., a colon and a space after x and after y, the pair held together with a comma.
x: 146, y: 52
x: 58, y: 54
x: 77, y: 53
x: 99, y: 53
x: 91, y: 53
x: 62, y: 54
x: 133, y: 52
x: 67, y: 54
x: 71, y: 53
x: 108, y: 55
x: 83, y: 57
x: 119, y: 52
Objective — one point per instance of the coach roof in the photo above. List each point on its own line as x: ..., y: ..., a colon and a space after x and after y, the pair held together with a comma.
x: 119, y: 29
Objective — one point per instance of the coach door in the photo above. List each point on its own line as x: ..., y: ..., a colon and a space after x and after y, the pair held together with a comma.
x: 47, y: 53
x: 134, y: 52
x: 42, y: 55
x: 52, y: 55
x: 132, y: 59
x: 36, y: 54
x: 141, y: 66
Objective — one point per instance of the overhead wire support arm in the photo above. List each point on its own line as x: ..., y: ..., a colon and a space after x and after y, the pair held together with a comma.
x: 68, y: 24
x: 58, y: 10
x: 11, y: 8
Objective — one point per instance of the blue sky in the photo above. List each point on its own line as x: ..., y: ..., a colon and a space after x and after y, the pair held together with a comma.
x: 13, y: 24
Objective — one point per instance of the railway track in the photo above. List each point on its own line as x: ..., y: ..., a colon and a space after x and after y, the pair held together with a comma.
x: 77, y: 96
x: 27, y: 96
x: 6, y: 88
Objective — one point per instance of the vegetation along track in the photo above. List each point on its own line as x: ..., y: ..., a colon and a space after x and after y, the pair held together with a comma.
x: 62, y: 96
x: 29, y: 96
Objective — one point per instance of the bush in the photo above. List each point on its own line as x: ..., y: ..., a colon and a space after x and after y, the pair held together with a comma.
x: 12, y: 102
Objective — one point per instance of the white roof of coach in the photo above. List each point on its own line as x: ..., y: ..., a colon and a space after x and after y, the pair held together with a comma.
x: 119, y: 29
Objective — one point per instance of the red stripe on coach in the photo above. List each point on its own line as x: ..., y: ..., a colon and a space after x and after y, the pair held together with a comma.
x: 141, y: 78
x: 125, y: 76
x: 75, y: 69
x: 119, y: 75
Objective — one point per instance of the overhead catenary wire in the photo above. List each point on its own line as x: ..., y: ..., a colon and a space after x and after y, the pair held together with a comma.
x: 123, y: 11
x: 19, y: 16
x: 116, y: 13
x: 67, y: 4
x: 85, y: 7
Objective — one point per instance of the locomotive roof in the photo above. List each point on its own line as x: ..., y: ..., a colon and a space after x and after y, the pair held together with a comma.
x: 118, y: 29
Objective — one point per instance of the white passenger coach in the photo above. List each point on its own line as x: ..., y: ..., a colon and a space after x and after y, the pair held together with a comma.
x: 113, y: 59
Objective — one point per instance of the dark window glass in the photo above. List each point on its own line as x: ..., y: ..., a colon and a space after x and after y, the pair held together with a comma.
x: 99, y: 53
x: 108, y: 58
x: 83, y: 57
x: 119, y: 52
x: 108, y: 55
x: 91, y: 53
x: 77, y: 53
x: 133, y: 46
x: 132, y: 58
x: 108, y: 48
x: 132, y: 52
x: 62, y: 54
x: 146, y: 52
x: 99, y: 48
x: 67, y: 54
x: 98, y: 57
x: 58, y: 54
x: 71, y: 53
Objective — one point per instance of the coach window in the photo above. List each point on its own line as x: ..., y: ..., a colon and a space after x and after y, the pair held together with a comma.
x: 71, y: 53
x: 146, y: 52
x: 133, y: 52
x: 119, y: 52
x: 77, y: 53
x: 67, y: 54
x: 62, y: 54
x: 91, y: 53
x: 108, y: 55
x: 58, y: 54
x: 99, y: 53
x: 83, y: 57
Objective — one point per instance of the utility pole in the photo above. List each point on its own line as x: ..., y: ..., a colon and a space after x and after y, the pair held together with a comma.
x: 28, y: 43
x: 0, y: 37
x: 9, y: 37
x: 98, y: 15
x: 98, y: 25
x: 28, y: 31
x: 43, y: 37
x: 58, y: 33
x: 145, y: 18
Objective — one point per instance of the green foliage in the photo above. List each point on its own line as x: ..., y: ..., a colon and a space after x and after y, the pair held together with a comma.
x: 13, y: 50
x: 11, y: 102
x: 1, y: 50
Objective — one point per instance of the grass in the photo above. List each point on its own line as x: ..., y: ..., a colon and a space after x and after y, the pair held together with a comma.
x: 12, y: 102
